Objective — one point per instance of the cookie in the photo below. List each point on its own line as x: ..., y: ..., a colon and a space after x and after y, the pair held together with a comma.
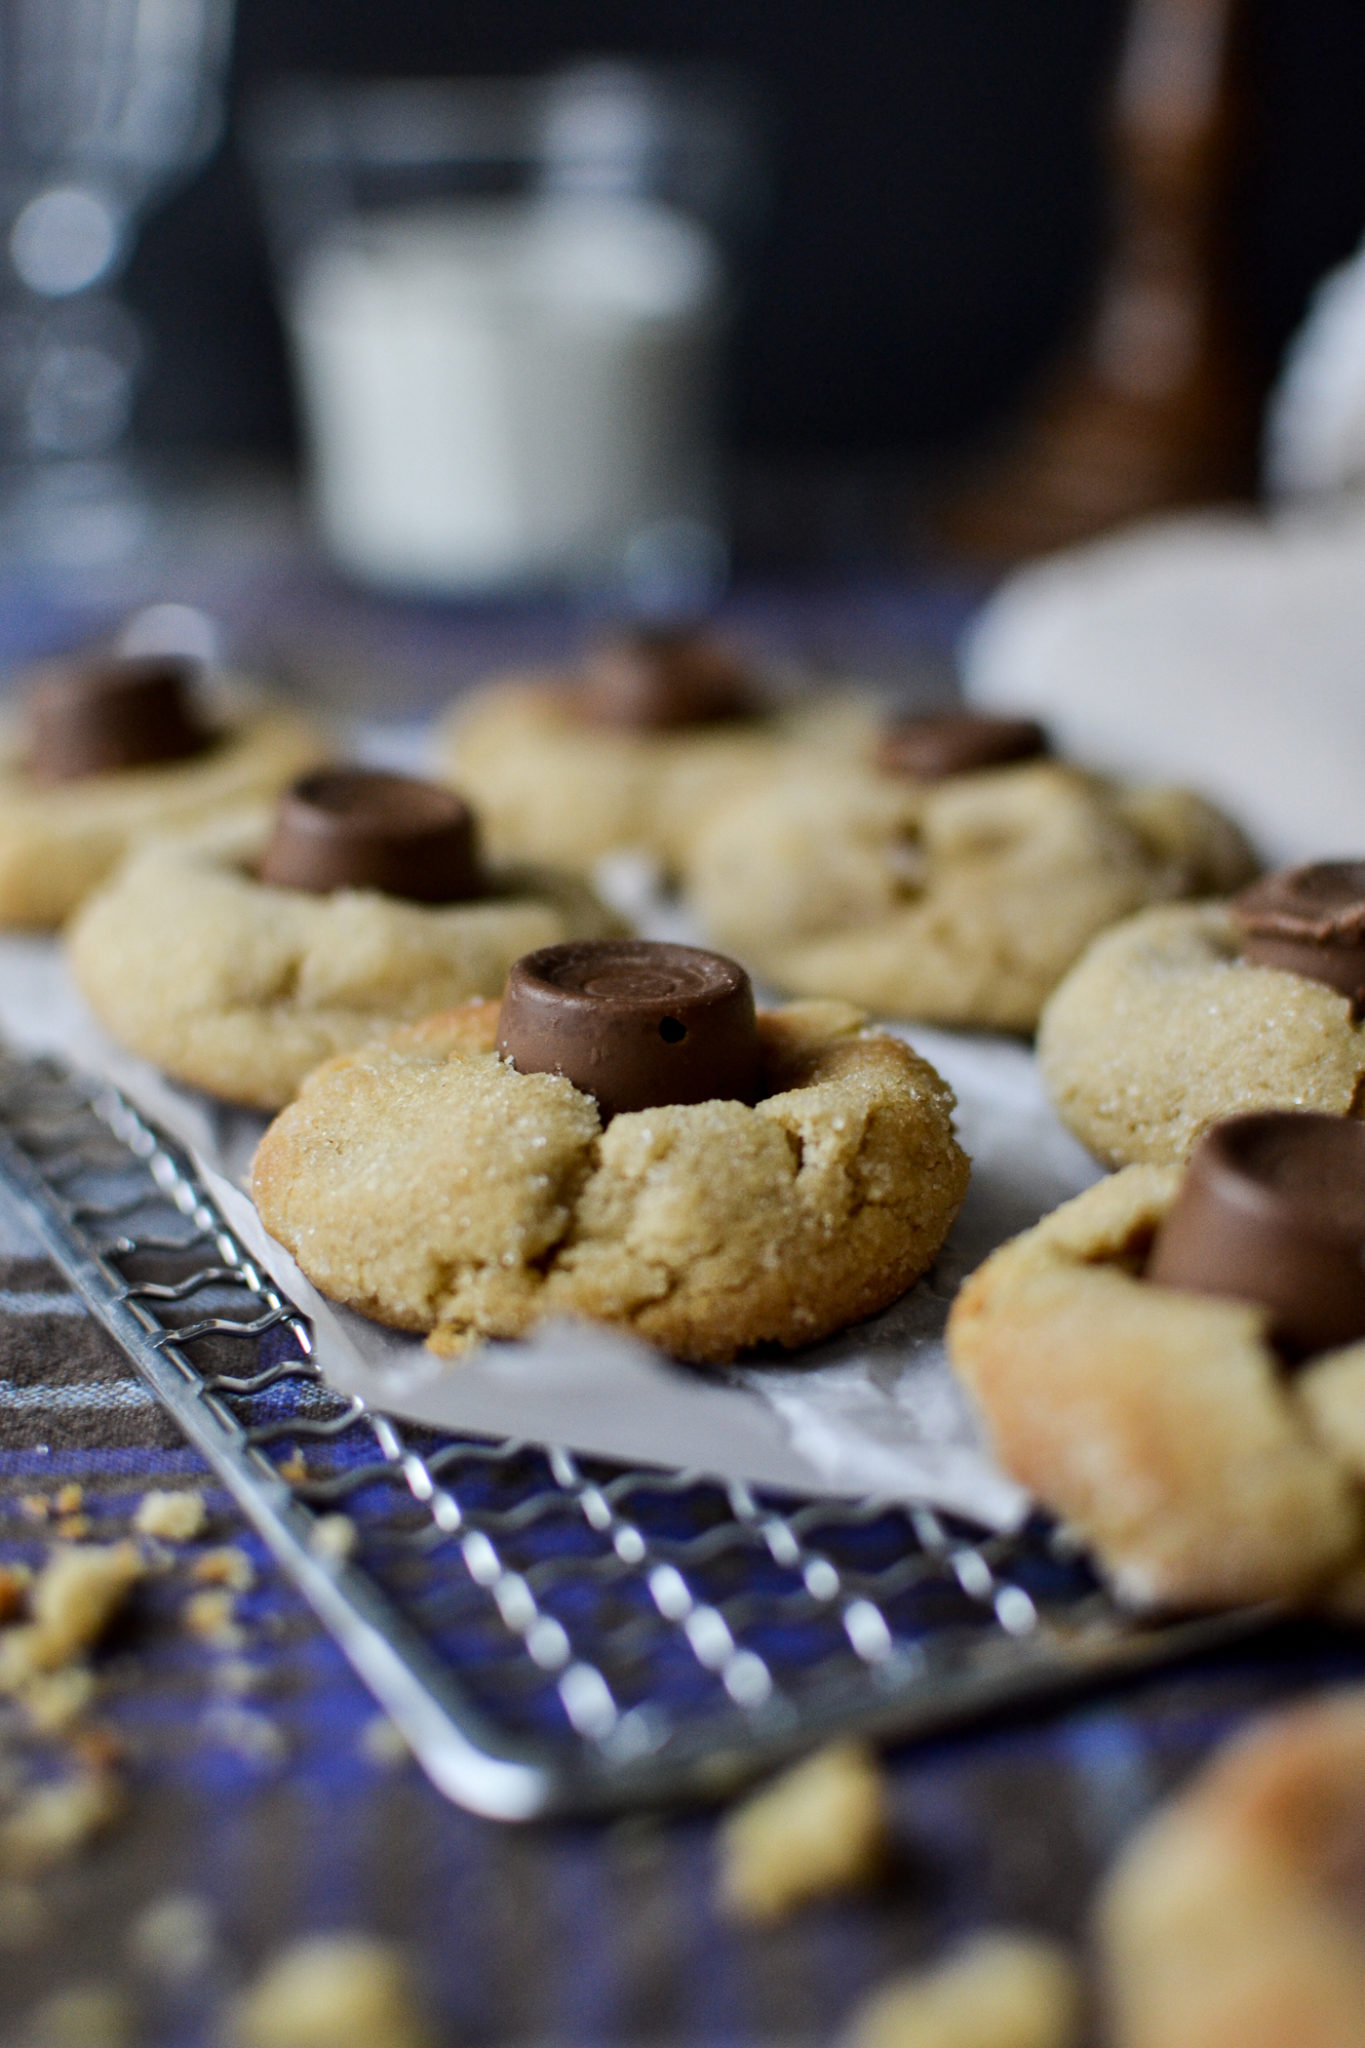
x: 1163, y: 1027
x: 241, y: 988
x: 69, y: 813
x: 1233, y: 1919
x: 427, y: 1183
x: 630, y: 752
x: 1163, y: 1424
x: 961, y: 900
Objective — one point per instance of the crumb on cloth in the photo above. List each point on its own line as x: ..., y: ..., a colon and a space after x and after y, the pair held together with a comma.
x: 820, y: 1828
x: 999, y: 1990
x: 74, y: 1599
x: 53, y: 1821
x: 172, y: 1514
x: 346, y: 1990
x: 227, y: 1565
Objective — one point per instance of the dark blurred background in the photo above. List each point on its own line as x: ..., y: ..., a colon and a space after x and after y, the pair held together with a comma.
x: 936, y: 210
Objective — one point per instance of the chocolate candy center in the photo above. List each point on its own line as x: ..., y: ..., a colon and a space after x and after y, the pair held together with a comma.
x: 633, y: 1022
x: 940, y: 743
x: 1272, y: 1210
x: 650, y: 681
x: 358, y: 828
x: 1310, y: 921
x: 98, y: 717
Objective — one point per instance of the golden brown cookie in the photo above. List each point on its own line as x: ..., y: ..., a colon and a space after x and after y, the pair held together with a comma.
x: 551, y: 786
x: 58, y: 840
x: 1161, y: 1028
x: 241, y: 989
x: 1234, y: 1919
x: 1162, y: 1424
x: 427, y: 1183
x: 961, y: 901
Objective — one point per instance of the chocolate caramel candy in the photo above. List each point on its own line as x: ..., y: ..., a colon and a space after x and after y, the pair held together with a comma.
x: 633, y: 1022
x: 1309, y: 920
x: 656, y: 679
x: 360, y: 828
x: 98, y: 717
x: 939, y: 743
x: 1272, y: 1210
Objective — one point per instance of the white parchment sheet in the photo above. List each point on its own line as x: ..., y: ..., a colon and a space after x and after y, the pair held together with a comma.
x: 874, y: 1410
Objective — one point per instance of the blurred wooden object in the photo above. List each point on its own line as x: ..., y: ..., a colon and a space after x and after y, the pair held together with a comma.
x: 1154, y: 406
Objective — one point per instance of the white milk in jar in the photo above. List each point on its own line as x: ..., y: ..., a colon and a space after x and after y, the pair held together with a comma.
x: 508, y: 392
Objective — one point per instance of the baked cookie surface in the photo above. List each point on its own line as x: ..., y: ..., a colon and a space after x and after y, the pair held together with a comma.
x: 548, y: 786
x: 425, y: 1182
x: 1162, y: 1424
x: 962, y: 901
x: 241, y: 989
x: 1233, y: 1920
x: 1161, y: 1028
x: 58, y: 841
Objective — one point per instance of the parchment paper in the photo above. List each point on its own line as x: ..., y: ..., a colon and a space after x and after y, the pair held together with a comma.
x: 874, y: 1410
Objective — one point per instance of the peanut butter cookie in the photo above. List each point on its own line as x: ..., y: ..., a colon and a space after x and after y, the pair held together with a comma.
x: 1164, y: 1424
x: 108, y: 753
x: 428, y: 1183
x: 961, y: 900
x: 632, y: 750
x: 240, y: 987
x: 1164, y: 1026
x: 1234, y: 1916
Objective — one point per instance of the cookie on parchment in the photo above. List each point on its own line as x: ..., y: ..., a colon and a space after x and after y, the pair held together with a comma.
x: 232, y: 965
x: 960, y: 897
x: 632, y: 750
x: 1204, y: 1466
x: 1233, y: 1919
x: 1178, y: 1017
x: 108, y: 752
x: 429, y: 1183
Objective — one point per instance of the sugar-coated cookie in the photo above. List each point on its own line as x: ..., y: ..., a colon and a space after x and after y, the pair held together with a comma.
x: 62, y: 832
x: 240, y: 988
x: 631, y: 751
x: 961, y: 900
x: 1233, y: 1919
x: 1161, y: 1423
x: 1163, y: 1027
x: 426, y: 1182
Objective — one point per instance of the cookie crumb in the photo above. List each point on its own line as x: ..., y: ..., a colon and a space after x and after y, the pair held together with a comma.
x: 294, y: 1468
x: 175, y: 1515
x: 82, y: 2016
x: 53, y: 1821
x: 173, y: 1939
x: 74, y: 1528
x: 36, y: 1506
x: 212, y: 1617
x: 383, y: 1743
x: 69, y: 1499
x: 333, y: 1991
x: 55, y: 1700
x: 333, y: 1537
x: 820, y: 1828
x: 15, y: 1580
x: 226, y: 1566
x: 997, y: 1991
x: 74, y: 1599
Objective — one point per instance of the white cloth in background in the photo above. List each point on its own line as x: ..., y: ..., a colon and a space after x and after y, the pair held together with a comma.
x: 1224, y: 651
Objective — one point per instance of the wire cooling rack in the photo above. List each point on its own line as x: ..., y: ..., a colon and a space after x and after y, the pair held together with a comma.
x: 551, y: 1633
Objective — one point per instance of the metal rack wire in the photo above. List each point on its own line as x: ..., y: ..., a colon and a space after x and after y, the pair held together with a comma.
x: 551, y: 1633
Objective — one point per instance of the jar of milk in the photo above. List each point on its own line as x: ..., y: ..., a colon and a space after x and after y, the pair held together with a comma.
x: 506, y: 329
